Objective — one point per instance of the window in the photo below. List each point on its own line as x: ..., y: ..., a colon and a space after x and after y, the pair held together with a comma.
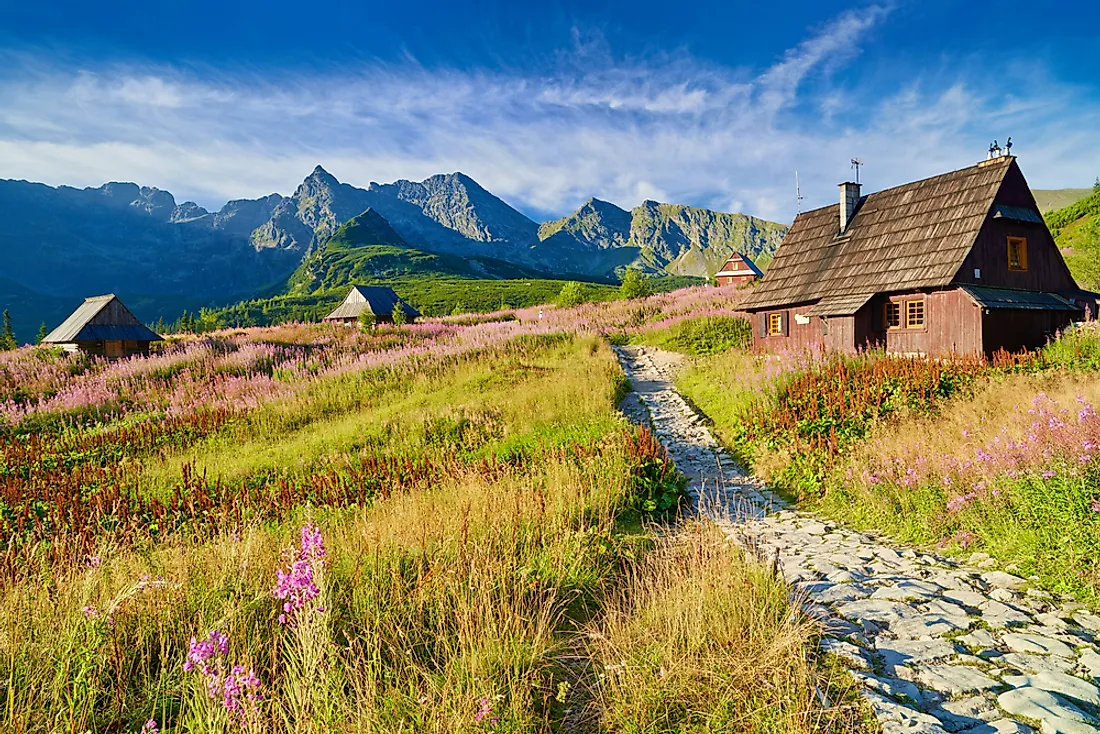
x: 775, y: 324
x: 893, y: 315
x: 1017, y: 253
x: 914, y: 314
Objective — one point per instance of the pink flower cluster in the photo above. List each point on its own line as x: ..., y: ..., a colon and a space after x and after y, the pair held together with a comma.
x: 237, y: 690
x: 296, y: 586
x: 1049, y: 441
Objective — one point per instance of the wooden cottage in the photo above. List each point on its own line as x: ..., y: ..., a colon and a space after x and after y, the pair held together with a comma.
x: 104, y: 327
x: 739, y: 269
x: 960, y: 263
x: 373, y: 299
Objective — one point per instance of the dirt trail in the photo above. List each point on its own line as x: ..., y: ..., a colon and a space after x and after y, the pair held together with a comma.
x: 937, y: 646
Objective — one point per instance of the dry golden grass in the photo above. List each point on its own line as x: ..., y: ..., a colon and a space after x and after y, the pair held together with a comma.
x: 700, y: 638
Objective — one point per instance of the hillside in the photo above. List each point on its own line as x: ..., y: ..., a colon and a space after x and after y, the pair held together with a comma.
x: 1053, y: 199
x: 1076, y: 229
x: 366, y: 249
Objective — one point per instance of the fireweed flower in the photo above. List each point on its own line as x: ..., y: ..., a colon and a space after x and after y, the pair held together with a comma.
x: 485, y: 711
x: 150, y: 727
x: 237, y: 691
x: 296, y: 586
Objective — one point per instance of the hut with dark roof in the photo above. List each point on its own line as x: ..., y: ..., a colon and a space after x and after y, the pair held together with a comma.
x: 738, y: 269
x: 377, y: 300
x: 104, y: 327
x: 960, y: 263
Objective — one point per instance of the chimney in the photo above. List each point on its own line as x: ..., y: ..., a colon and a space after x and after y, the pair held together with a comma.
x: 849, y: 199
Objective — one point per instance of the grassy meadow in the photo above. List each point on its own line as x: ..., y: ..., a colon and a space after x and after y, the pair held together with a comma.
x: 440, y: 527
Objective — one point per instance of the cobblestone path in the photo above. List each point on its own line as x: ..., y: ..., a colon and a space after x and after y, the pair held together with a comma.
x: 937, y: 645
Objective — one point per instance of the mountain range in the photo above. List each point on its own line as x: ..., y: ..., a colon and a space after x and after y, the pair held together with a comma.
x: 61, y: 244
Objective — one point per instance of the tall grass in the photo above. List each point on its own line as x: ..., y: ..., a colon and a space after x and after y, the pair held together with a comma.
x: 701, y: 639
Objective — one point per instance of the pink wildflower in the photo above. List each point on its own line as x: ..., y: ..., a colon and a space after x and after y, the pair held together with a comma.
x: 296, y: 586
x: 150, y: 727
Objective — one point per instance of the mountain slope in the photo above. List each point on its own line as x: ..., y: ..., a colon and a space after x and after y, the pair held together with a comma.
x: 661, y: 238
x: 59, y: 245
x: 1050, y: 200
x: 1076, y: 229
x: 367, y: 249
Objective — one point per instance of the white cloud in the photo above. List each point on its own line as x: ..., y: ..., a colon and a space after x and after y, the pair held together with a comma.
x: 670, y: 128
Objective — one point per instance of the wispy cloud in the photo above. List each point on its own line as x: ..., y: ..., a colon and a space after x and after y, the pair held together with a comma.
x: 671, y: 127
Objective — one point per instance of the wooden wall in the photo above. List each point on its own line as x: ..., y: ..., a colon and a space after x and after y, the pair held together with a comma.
x: 1046, y: 270
x: 796, y: 336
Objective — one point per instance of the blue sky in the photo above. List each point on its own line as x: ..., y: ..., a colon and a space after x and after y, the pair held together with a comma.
x: 710, y: 104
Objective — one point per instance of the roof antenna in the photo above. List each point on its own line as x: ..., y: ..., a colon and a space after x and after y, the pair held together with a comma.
x: 856, y: 163
x: 797, y: 195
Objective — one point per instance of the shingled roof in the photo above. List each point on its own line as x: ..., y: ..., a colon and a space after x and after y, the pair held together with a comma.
x: 908, y: 237
x: 101, y: 318
x: 376, y: 299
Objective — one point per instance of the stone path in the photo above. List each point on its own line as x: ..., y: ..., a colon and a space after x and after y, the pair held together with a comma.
x: 937, y: 646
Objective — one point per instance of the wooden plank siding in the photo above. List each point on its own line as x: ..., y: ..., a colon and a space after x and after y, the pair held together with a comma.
x: 930, y: 239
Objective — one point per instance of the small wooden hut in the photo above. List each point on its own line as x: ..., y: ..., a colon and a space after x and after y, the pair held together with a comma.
x: 739, y: 269
x: 104, y: 327
x: 957, y: 264
x: 376, y: 300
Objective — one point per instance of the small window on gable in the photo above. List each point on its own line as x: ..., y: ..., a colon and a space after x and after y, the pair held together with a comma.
x: 914, y: 314
x: 775, y: 324
x: 1017, y: 253
x: 892, y: 317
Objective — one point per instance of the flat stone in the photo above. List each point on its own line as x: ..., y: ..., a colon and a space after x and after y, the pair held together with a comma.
x: 999, y: 615
x: 1049, y: 619
x: 988, y: 563
x: 1038, y: 644
x: 892, y: 687
x: 1001, y: 726
x: 1057, y: 715
x: 965, y: 713
x: 872, y: 610
x: 939, y: 606
x: 907, y: 590
x: 1002, y: 595
x: 979, y: 638
x: 976, y: 558
x: 1003, y: 580
x: 1087, y: 620
x: 908, y: 652
x: 846, y: 651
x: 896, y: 717
x: 1090, y: 661
x: 927, y: 625
x: 966, y: 597
x: 1036, y: 663
x: 1067, y: 685
x: 812, y: 527
x: 842, y: 593
x: 955, y: 680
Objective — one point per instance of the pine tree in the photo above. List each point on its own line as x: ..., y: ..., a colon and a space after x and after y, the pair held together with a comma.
x: 1096, y: 185
x: 43, y: 332
x: 7, y: 333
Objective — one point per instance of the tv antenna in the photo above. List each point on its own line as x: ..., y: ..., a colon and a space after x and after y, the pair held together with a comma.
x: 856, y: 163
x: 797, y: 195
